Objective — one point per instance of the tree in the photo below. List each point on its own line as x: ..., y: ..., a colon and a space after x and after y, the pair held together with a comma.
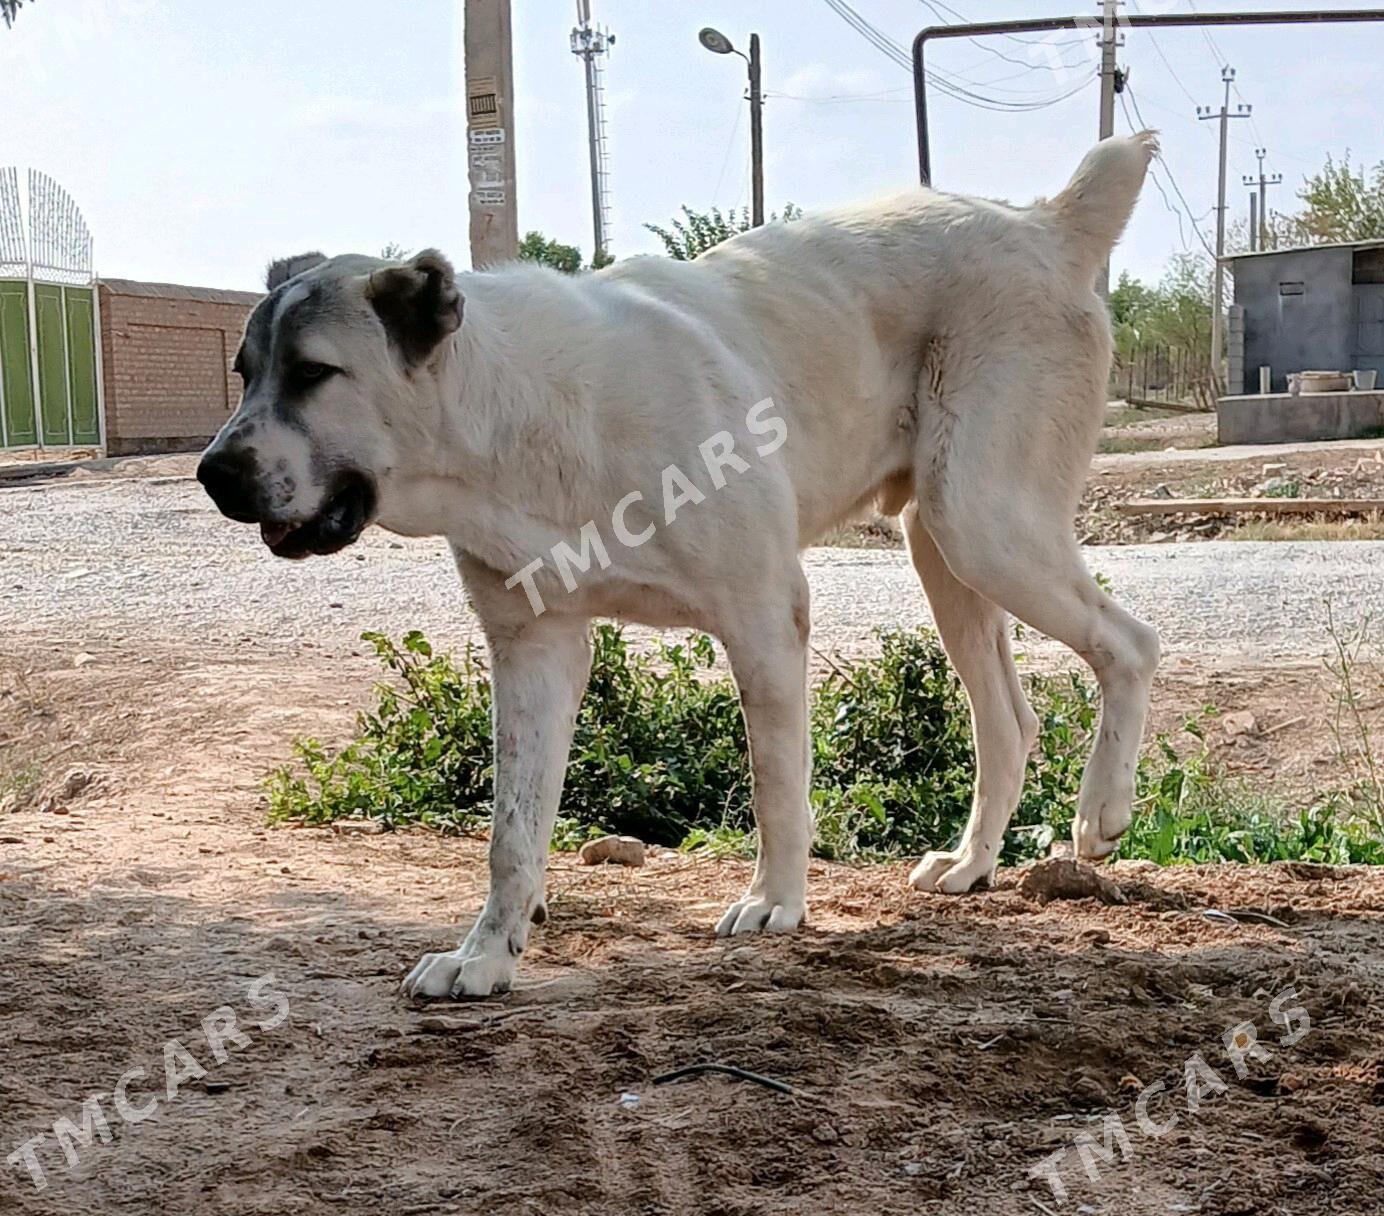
x: 699, y: 231
x: 1341, y: 203
x: 9, y: 9
x: 535, y: 247
x: 1176, y: 313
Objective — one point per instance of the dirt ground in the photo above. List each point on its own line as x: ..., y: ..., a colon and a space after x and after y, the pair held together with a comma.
x: 937, y: 1049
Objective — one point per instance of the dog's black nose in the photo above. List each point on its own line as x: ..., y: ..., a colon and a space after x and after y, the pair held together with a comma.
x: 228, y: 477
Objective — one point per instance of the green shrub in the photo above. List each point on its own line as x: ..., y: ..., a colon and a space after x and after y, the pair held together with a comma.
x: 659, y: 753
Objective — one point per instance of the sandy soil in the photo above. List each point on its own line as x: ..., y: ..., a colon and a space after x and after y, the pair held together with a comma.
x: 938, y: 1050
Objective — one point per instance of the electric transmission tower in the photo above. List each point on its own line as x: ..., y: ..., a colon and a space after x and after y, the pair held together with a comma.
x: 591, y: 44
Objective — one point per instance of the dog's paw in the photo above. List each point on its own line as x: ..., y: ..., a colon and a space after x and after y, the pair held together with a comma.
x: 465, y: 972
x: 1096, y: 831
x: 759, y: 914
x: 952, y: 873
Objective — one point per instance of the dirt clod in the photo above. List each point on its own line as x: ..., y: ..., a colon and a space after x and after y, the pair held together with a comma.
x: 1062, y: 878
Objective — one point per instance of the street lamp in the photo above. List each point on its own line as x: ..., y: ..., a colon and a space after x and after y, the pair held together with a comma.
x: 719, y: 44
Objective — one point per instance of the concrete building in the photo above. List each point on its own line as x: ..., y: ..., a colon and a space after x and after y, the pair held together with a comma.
x: 1317, y: 308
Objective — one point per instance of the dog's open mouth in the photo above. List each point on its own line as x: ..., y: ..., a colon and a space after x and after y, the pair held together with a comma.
x: 339, y: 523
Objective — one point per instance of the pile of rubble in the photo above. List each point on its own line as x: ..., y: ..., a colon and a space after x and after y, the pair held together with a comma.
x: 1098, y: 522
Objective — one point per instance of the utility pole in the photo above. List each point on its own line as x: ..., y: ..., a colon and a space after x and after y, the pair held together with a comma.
x: 756, y: 137
x: 1111, y: 84
x: 589, y: 44
x: 1253, y: 220
x: 1224, y: 115
x: 1263, y: 181
x: 490, y: 133
x: 719, y: 44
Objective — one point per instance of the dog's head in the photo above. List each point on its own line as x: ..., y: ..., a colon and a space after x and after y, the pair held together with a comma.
x: 331, y: 359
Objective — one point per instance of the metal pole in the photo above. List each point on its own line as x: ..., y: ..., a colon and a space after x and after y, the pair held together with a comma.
x: 1253, y: 223
x: 756, y: 136
x: 490, y: 132
x: 33, y: 352
x: 597, y: 218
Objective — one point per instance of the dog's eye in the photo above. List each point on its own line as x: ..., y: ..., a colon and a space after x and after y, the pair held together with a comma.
x: 307, y: 372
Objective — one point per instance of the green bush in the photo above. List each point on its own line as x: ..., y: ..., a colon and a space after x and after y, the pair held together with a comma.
x: 659, y: 753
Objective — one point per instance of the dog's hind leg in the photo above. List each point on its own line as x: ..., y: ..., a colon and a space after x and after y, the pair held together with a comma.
x: 538, y: 673
x: 975, y: 633
x: 767, y: 647
x: 999, y: 479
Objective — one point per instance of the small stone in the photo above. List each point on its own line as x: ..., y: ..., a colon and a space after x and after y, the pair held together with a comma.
x: 82, y: 658
x: 1241, y: 722
x: 74, y: 782
x: 436, y: 1023
x: 614, y: 850
x: 357, y: 827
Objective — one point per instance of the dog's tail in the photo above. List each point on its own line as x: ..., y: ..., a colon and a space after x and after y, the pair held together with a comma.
x: 1091, y: 213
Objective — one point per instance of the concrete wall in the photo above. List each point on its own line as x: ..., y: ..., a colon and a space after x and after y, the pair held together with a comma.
x: 1305, y: 419
x: 1293, y: 333
x: 167, y: 352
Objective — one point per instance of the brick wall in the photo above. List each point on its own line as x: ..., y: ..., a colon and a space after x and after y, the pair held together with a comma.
x: 166, y: 352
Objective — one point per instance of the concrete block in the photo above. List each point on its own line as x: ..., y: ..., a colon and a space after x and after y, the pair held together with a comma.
x: 1280, y: 418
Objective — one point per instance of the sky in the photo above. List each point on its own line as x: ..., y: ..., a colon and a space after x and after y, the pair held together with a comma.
x: 202, y: 139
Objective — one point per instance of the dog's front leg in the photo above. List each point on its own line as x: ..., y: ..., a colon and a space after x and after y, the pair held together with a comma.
x: 537, y: 678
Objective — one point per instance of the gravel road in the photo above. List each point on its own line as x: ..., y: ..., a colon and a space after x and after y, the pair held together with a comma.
x: 129, y: 562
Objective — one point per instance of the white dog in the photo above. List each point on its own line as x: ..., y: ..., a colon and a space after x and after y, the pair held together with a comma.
x: 941, y: 357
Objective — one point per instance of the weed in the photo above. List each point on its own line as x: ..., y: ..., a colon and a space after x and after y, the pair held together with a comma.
x: 659, y: 752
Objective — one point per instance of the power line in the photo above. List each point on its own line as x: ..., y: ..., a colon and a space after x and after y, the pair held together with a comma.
x: 730, y: 143
x: 946, y: 83
x: 1172, y: 181
x: 1216, y: 51
x: 1157, y: 182
x: 937, y: 11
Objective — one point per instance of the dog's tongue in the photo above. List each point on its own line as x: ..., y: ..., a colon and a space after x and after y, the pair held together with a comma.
x: 272, y: 534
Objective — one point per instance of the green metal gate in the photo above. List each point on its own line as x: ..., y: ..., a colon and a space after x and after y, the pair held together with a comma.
x: 50, y: 372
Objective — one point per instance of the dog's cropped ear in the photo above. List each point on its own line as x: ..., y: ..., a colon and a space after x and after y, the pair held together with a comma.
x: 418, y: 302
x: 284, y: 269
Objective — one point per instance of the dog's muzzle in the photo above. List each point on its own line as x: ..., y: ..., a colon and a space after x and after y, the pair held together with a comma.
x: 349, y: 505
